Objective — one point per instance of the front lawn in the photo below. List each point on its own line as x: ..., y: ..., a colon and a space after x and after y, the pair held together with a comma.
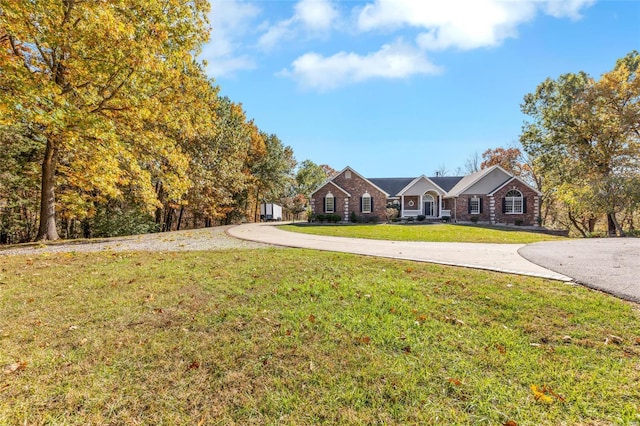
x: 426, y: 232
x: 287, y: 336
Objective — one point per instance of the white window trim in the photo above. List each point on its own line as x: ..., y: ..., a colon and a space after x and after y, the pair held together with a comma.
x: 366, y: 199
x: 511, y: 202
x: 475, y: 205
x: 326, y: 203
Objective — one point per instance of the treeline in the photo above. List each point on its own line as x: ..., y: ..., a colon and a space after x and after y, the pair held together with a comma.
x: 581, y: 149
x: 109, y: 125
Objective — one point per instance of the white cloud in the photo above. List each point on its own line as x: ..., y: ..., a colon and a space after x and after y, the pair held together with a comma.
x: 311, y: 17
x: 566, y: 8
x: 463, y: 24
x: 316, y: 15
x: 392, y: 61
x: 230, y: 21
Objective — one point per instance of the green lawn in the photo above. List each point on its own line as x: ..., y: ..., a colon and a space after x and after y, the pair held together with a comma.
x: 426, y: 232
x: 284, y: 336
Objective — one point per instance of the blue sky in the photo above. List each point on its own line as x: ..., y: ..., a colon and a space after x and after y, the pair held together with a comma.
x: 399, y: 88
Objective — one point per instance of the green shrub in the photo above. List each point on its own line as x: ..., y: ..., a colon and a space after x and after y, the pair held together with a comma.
x: 411, y: 219
x: 474, y: 219
x: 421, y: 218
x: 518, y: 222
x: 335, y: 218
x: 320, y: 218
x: 115, y: 221
x: 353, y: 218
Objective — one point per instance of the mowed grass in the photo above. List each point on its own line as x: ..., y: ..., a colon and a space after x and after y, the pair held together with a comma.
x: 426, y: 232
x: 284, y: 336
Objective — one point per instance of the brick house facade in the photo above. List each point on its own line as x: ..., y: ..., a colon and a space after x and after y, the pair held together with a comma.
x: 350, y: 191
x: 491, y: 195
x: 530, y: 204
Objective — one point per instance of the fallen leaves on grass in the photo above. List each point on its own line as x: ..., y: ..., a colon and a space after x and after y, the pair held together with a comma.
x: 364, y: 340
x: 613, y: 339
x: 454, y: 381
x: 454, y: 320
x: 545, y: 394
x: 510, y: 423
x: 312, y: 318
x: 15, y: 367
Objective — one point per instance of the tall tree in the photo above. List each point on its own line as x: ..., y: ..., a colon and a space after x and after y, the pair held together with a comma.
x: 273, y: 172
x: 96, y: 80
x: 308, y: 177
x: 585, y: 138
x: 507, y: 158
x: 472, y: 164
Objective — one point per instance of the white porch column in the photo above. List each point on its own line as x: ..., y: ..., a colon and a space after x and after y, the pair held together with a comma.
x: 402, y: 206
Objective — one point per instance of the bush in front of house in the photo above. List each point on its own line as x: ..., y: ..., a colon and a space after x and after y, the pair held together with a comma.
x: 421, y: 218
x: 392, y: 214
x: 320, y: 218
x: 474, y: 219
x: 353, y: 218
x: 518, y: 222
x: 335, y: 218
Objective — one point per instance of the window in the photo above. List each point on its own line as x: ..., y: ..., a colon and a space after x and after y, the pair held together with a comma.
x: 366, y: 203
x: 347, y: 174
x: 329, y: 203
x: 513, y: 202
x: 474, y: 205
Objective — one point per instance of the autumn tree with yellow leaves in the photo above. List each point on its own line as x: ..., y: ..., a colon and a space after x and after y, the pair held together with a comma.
x: 105, y: 113
x: 584, y: 139
x: 95, y: 83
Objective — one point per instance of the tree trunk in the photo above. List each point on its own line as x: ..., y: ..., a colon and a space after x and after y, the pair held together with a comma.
x: 256, y: 214
x: 180, y: 218
x: 47, y: 229
x: 611, y: 227
x: 168, y: 219
x: 613, y: 222
x: 576, y: 224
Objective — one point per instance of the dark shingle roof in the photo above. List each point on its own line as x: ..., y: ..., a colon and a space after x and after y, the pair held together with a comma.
x: 391, y: 185
x: 446, y: 182
x: 394, y: 185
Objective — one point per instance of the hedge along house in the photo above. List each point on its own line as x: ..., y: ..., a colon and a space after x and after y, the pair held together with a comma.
x: 491, y: 195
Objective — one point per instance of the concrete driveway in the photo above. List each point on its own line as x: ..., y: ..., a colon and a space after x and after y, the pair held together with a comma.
x: 493, y: 257
x: 608, y: 264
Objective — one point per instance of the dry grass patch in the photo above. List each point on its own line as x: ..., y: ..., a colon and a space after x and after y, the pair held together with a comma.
x: 304, y: 337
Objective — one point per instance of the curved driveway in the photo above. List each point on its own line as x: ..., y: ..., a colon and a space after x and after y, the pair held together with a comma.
x: 493, y: 257
x: 611, y: 265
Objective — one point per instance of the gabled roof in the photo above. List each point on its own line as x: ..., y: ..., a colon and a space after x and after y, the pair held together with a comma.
x: 446, y: 182
x: 363, y: 178
x: 330, y: 182
x: 467, y: 181
x: 511, y: 180
x: 416, y: 180
x: 391, y: 186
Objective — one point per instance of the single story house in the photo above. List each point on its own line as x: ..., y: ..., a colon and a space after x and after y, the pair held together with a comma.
x: 491, y: 195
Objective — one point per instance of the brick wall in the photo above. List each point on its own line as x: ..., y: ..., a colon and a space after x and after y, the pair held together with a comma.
x: 317, y: 203
x: 356, y: 186
x: 462, y: 208
x: 533, y: 205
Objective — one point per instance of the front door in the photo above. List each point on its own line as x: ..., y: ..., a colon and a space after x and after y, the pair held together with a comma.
x: 429, y: 208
